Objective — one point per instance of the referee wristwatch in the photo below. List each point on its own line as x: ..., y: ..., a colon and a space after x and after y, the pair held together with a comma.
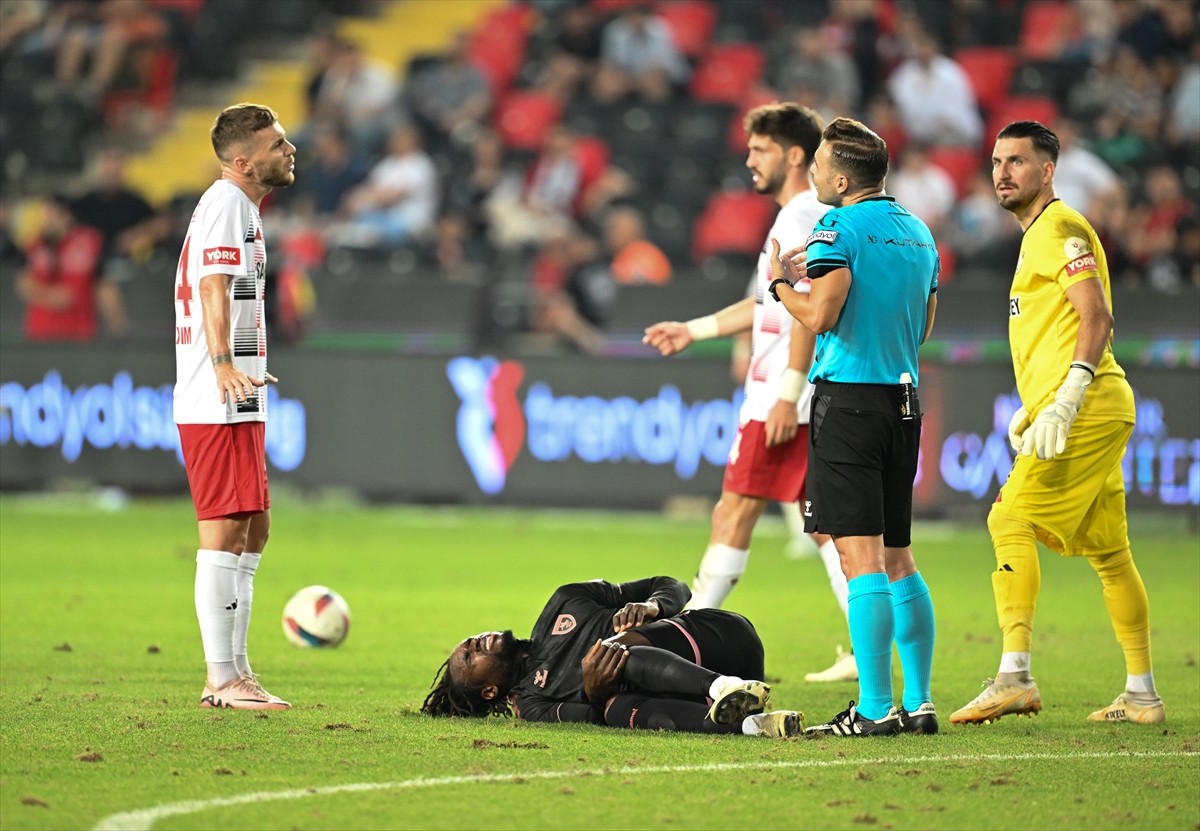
x: 773, y: 288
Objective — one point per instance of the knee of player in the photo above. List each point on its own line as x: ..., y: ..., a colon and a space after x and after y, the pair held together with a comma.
x: 1006, y: 528
x: 1110, y: 563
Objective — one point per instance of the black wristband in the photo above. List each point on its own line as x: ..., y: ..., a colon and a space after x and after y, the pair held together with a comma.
x: 774, y: 283
x: 1091, y: 371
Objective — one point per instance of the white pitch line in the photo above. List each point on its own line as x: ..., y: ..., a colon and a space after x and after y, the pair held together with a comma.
x: 144, y: 819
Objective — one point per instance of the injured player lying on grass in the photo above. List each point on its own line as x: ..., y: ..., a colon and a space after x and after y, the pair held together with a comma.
x: 625, y: 655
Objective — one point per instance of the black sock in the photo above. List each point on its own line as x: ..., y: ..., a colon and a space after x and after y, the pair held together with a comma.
x: 658, y: 671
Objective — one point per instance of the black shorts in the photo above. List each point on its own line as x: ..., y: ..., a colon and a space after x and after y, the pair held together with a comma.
x: 862, y: 461
x: 721, y: 641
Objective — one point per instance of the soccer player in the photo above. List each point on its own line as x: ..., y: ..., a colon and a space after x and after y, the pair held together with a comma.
x: 622, y: 655
x: 220, y: 395
x: 769, y: 457
x: 1066, y: 487
x: 874, y: 272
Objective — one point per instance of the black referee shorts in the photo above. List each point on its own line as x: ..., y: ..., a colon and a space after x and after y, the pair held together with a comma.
x: 862, y: 461
x: 717, y: 640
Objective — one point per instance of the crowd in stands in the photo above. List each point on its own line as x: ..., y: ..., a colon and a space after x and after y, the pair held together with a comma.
x: 579, y: 148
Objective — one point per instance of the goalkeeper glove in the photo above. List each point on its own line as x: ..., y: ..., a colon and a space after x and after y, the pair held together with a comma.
x: 1048, y: 434
x: 1017, y: 428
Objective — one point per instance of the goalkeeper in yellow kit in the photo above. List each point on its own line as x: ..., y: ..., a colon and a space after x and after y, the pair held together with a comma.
x: 1066, y: 488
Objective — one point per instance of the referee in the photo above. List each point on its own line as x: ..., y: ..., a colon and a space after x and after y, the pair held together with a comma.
x: 874, y: 272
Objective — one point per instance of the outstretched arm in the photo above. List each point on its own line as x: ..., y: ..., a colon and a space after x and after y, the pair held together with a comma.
x: 670, y: 336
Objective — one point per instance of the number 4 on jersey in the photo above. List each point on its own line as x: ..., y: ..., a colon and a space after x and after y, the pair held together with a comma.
x: 183, y: 292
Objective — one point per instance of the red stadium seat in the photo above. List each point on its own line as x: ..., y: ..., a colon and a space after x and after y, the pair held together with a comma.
x: 1046, y: 26
x: 727, y: 72
x: 990, y: 71
x: 691, y: 23
x: 732, y: 223
x: 523, y: 117
x: 499, y: 44
x: 960, y: 162
x: 1018, y: 108
x: 591, y: 154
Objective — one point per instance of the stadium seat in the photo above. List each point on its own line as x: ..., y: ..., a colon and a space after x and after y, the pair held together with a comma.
x: 691, y: 23
x: 732, y: 223
x: 1046, y: 26
x: 960, y: 162
x: 499, y: 44
x: 523, y: 117
x: 727, y: 72
x: 591, y: 154
x: 1018, y: 108
x: 990, y: 71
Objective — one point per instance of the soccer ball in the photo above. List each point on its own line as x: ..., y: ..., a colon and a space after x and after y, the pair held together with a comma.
x: 316, y: 617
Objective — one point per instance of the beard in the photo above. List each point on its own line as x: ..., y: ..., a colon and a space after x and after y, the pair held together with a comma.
x: 772, y: 184
x: 512, y: 648
x: 278, y: 177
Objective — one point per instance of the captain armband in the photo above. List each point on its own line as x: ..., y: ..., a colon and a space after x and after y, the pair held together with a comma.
x: 703, y: 328
x: 791, y: 385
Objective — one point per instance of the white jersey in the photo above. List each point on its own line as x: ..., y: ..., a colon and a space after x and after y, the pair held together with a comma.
x: 224, y: 237
x: 772, y: 334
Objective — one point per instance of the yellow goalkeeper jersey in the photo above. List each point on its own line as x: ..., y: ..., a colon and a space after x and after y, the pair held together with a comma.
x: 1059, y: 250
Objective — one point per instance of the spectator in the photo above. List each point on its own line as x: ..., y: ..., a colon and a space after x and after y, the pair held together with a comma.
x: 323, y: 55
x: 472, y: 186
x: 852, y: 28
x: 1081, y: 176
x: 933, y: 96
x: 546, y: 201
x: 574, y: 51
x: 813, y: 65
x: 1110, y: 218
x: 102, y: 39
x: 131, y: 228
x: 60, y: 285
x: 573, y: 290
x: 360, y: 94
x: 12, y: 258
x: 638, y: 56
x: 335, y: 170
x: 885, y: 121
x: 635, y: 260
x: 398, y: 201
x: 1183, y: 119
x: 451, y: 98
x: 922, y: 187
x: 1156, y: 221
x: 980, y: 226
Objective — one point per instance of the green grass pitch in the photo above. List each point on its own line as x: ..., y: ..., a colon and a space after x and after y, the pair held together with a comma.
x: 101, y: 671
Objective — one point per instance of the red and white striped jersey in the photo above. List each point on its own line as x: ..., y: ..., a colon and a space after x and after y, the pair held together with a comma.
x: 224, y: 237
x: 772, y: 334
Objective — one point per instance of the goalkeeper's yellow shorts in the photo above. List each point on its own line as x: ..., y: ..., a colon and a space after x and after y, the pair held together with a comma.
x: 1076, y: 501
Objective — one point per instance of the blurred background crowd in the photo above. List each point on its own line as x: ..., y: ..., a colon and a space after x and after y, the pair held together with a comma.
x: 552, y: 157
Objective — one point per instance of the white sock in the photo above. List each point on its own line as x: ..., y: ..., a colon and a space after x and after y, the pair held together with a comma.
x: 216, y: 595
x: 1014, y: 662
x: 837, y: 580
x: 721, y: 568
x: 750, y: 726
x: 1140, y: 683
x: 247, y: 565
x: 720, y: 683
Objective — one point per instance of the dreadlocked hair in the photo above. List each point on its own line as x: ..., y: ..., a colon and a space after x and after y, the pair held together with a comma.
x: 446, y: 698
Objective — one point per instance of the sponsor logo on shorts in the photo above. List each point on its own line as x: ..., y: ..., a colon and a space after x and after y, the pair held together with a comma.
x: 222, y: 255
x: 1085, y: 263
x: 826, y: 237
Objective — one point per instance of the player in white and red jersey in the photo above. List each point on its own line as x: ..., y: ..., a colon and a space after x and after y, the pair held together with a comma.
x: 220, y: 392
x: 769, y: 457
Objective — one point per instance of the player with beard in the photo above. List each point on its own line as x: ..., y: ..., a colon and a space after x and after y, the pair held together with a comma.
x: 621, y: 654
x: 220, y: 399
x: 1067, y: 487
x: 769, y: 457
